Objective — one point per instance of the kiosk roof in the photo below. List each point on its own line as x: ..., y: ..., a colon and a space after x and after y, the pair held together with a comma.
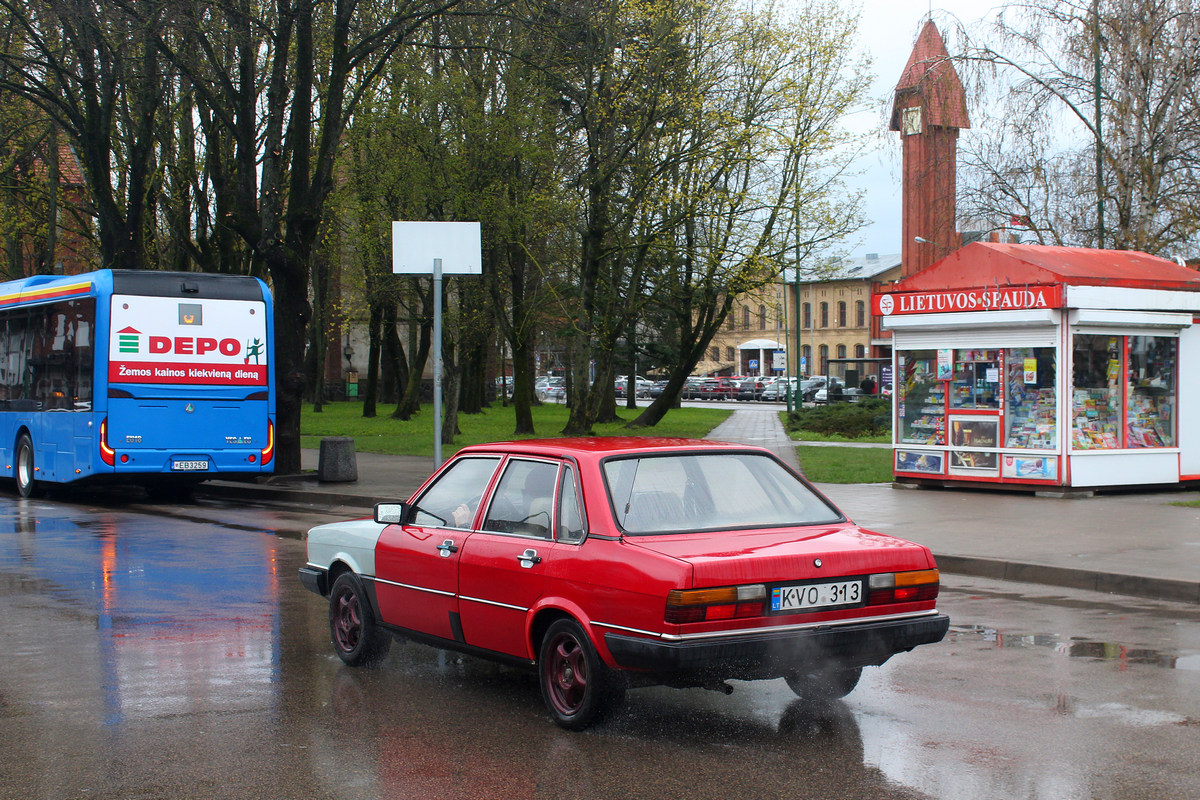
x: 984, y: 264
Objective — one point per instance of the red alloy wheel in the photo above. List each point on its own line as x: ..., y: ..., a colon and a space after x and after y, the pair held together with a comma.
x: 565, y: 675
x: 347, y: 620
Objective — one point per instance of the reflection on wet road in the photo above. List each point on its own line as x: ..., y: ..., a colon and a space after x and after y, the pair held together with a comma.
x: 163, y: 653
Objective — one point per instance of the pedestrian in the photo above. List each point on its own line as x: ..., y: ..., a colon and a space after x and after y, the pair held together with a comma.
x: 868, y: 385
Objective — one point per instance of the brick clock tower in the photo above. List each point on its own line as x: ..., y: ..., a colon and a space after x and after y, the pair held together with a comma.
x: 929, y: 109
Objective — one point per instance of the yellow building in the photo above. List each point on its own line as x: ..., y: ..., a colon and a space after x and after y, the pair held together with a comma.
x: 834, y: 312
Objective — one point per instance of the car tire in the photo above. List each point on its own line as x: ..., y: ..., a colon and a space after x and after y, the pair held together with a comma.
x: 830, y: 684
x: 23, y: 465
x: 357, y: 638
x: 577, y: 687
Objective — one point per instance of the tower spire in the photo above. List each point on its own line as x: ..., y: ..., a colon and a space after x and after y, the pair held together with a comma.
x: 929, y: 108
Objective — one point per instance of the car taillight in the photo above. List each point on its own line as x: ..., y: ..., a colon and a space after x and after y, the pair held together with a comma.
x: 708, y: 605
x: 107, y: 454
x: 903, y: 587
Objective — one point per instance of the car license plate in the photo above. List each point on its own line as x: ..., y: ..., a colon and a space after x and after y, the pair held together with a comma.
x: 189, y: 466
x: 816, y: 595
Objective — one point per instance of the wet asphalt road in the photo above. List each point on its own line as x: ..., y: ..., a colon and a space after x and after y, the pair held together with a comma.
x: 173, y: 654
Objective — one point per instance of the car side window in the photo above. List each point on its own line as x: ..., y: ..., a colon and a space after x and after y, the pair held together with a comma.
x: 524, y: 499
x: 571, y: 528
x: 453, y: 500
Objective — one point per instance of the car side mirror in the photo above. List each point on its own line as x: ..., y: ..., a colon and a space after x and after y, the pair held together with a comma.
x: 391, y: 513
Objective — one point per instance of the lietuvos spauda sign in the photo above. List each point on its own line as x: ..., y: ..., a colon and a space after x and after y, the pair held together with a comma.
x: 1006, y: 298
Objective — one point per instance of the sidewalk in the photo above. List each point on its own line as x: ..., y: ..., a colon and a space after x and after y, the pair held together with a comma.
x: 1130, y: 543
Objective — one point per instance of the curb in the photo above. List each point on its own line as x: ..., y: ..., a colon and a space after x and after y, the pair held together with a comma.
x: 1069, y: 578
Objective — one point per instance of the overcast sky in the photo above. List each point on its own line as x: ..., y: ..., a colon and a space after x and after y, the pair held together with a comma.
x: 887, y: 31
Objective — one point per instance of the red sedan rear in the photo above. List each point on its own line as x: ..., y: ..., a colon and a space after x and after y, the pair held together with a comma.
x: 612, y: 563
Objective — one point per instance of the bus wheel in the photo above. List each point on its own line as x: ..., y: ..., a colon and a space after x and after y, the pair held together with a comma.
x: 23, y: 471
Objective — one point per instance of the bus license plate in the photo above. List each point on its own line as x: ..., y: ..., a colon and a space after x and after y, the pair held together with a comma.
x: 816, y: 595
x: 189, y: 466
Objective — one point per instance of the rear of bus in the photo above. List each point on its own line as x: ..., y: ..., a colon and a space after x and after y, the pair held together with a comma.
x: 190, y: 385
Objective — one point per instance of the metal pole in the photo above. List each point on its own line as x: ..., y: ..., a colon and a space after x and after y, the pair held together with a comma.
x: 437, y: 363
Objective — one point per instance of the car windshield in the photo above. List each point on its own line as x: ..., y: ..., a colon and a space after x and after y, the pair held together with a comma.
x: 686, y: 492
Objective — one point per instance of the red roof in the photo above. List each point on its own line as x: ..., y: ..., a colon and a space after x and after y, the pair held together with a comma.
x: 987, y: 264
x: 930, y: 75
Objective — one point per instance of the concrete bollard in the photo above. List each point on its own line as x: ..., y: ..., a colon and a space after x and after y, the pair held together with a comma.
x: 337, y: 463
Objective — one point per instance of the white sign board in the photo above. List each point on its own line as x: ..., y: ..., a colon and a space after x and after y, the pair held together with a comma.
x: 416, y: 244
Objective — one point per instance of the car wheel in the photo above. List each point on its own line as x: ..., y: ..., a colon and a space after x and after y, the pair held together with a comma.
x: 357, y: 638
x: 23, y: 469
x: 832, y: 684
x: 576, y: 685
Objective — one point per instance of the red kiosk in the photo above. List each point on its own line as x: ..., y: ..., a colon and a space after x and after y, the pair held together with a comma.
x: 1037, y: 367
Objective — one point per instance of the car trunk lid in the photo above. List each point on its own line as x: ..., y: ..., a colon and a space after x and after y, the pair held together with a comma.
x: 764, y: 556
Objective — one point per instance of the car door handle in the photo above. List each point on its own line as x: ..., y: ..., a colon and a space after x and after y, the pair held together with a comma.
x: 447, y: 547
x: 529, y: 558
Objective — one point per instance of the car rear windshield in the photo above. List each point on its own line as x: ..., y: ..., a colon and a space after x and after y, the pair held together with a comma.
x: 680, y: 493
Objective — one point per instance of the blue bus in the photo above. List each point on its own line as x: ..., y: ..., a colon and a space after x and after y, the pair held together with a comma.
x: 141, y: 376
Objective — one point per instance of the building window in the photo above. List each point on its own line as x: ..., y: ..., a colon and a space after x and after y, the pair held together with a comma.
x: 841, y: 351
x: 824, y: 315
x: 823, y: 351
x: 806, y: 352
x: 860, y: 314
x: 762, y: 317
x: 716, y: 354
x: 859, y: 351
x: 746, y: 318
x: 731, y: 322
x: 729, y: 354
x: 807, y: 315
x: 842, y: 314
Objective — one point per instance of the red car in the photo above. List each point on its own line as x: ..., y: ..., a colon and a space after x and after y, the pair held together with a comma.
x: 611, y: 563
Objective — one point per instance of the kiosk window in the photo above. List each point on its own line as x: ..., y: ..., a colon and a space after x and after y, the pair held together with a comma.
x: 1031, y: 407
x: 1150, y: 416
x: 1096, y: 394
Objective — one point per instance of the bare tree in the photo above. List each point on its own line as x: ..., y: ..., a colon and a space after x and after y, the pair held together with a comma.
x: 1097, y: 138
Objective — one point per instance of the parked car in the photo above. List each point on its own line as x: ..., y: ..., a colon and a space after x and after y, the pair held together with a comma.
x: 751, y: 388
x: 717, y: 389
x: 608, y: 563
x: 822, y: 395
x: 777, y: 392
x: 552, y: 389
x: 641, y: 385
x: 810, y: 386
x: 695, y: 388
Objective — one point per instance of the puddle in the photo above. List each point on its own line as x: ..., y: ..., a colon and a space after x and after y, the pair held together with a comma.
x: 1075, y: 647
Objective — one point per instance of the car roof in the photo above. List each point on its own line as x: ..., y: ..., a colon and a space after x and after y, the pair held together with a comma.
x: 586, y: 448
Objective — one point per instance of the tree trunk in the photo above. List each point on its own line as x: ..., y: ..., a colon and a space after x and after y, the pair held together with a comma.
x: 374, y: 335
x: 411, y: 402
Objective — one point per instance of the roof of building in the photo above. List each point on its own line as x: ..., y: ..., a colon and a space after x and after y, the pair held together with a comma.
x: 985, y: 264
x: 930, y: 74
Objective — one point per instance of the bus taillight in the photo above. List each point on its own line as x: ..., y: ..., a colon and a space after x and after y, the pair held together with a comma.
x: 107, y: 454
x: 268, y: 452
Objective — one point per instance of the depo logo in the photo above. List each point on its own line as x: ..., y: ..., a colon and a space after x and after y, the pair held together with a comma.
x: 129, y: 340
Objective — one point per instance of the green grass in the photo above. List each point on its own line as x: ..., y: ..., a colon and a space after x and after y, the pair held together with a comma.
x: 1188, y: 503
x: 382, y: 434
x: 846, y: 464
